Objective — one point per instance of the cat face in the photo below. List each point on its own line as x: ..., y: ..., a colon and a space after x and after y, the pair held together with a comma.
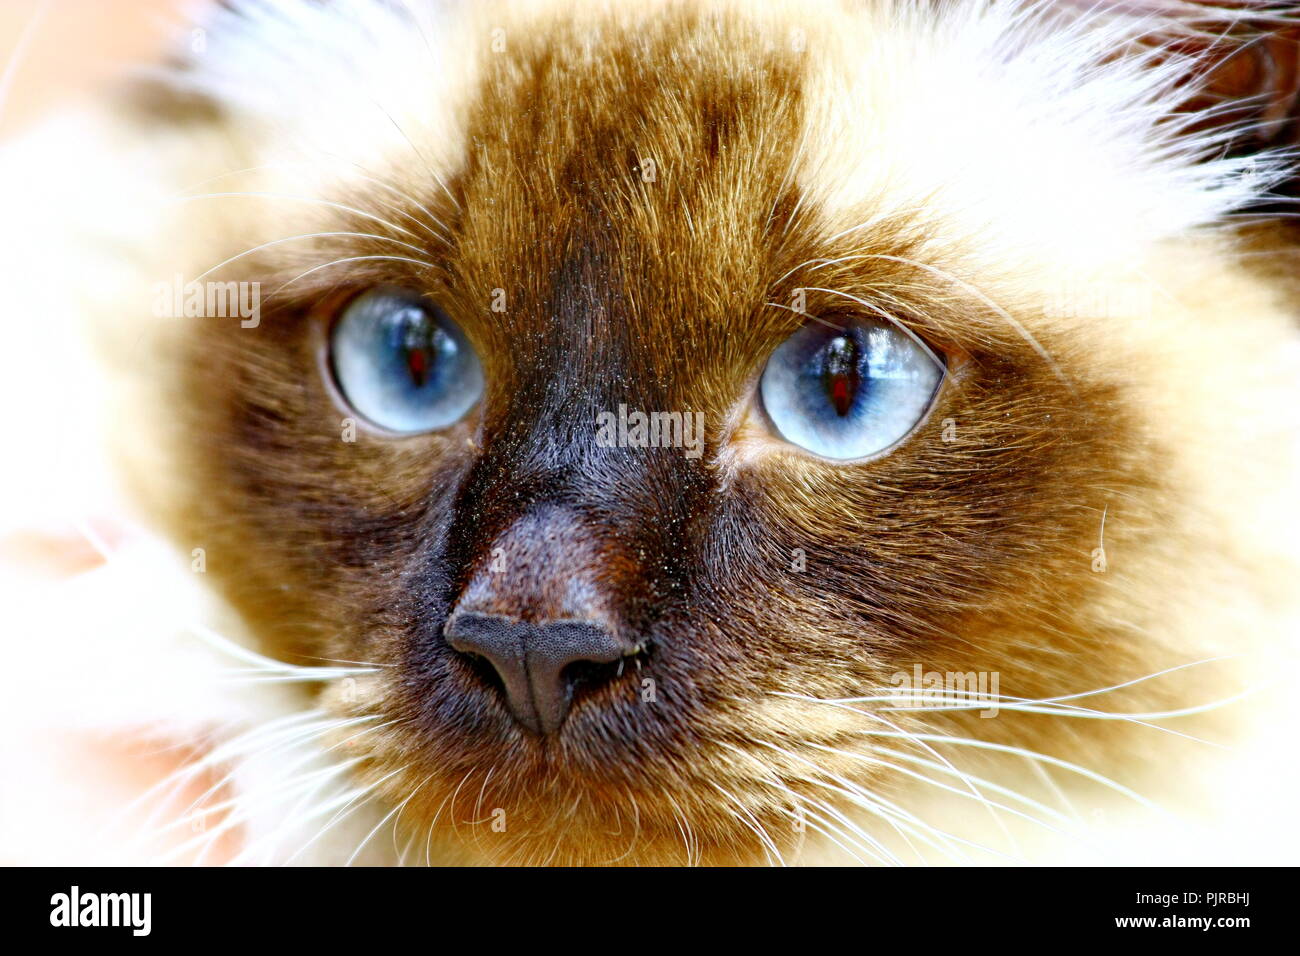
x: 581, y: 643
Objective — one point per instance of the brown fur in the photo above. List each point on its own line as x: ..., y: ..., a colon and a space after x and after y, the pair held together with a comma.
x: 965, y: 555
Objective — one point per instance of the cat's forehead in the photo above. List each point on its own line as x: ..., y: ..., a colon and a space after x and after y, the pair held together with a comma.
x: 655, y: 136
x: 639, y: 170
x: 675, y: 162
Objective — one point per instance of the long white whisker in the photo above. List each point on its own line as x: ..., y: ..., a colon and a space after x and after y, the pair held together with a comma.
x: 244, y: 809
x: 177, y: 779
x: 287, y: 197
x: 427, y: 165
x: 802, y: 817
x: 240, y: 804
x: 344, y: 811
x: 260, y: 661
x: 879, y: 851
x: 389, y: 816
x: 858, y: 795
x: 1034, y: 755
x: 741, y: 813
x: 347, y: 261
x: 296, y: 813
x: 308, y: 235
x: 432, y: 226
x: 902, y: 821
x: 980, y: 781
x: 288, y: 740
x: 897, y: 730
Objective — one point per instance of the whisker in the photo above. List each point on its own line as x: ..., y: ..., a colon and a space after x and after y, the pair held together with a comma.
x: 260, y: 661
x: 401, y: 854
x: 830, y: 833
x: 344, y: 812
x: 798, y: 800
x: 347, y: 261
x: 901, y: 821
x: 432, y: 226
x: 324, y: 674
x: 333, y: 660
x: 740, y: 812
x: 684, y: 828
x: 289, y: 740
x: 389, y: 816
x: 857, y: 794
x: 427, y: 165
x: 296, y: 813
x: 244, y: 809
x: 287, y: 197
x: 980, y: 781
x: 1034, y: 755
x: 243, y: 805
x: 336, y: 234
x: 178, y: 778
x: 975, y: 791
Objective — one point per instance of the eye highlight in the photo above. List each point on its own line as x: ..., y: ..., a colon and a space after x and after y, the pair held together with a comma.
x: 402, y: 363
x: 849, y: 392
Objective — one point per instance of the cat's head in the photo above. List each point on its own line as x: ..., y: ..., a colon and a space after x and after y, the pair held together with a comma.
x: 649, y: 400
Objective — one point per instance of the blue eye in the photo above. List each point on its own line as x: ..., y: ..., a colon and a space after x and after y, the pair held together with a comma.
x: 402, y: 363
x: 851, y: 392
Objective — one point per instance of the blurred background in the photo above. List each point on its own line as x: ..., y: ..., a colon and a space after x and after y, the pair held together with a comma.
x: 53, y: 50
x: 70, y: 622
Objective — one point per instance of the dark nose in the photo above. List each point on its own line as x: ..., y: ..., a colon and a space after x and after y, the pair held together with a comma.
x: 541, y: 607
x: 532, y: 659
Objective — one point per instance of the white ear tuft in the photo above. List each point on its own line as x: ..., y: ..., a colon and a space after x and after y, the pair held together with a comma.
x: 351, y: 79
x: 1034, y: 131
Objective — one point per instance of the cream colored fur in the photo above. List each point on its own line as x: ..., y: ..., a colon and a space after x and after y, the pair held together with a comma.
x: 1040, y: 172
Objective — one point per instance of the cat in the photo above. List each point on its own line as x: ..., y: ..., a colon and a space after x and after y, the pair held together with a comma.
x: 987, y: 310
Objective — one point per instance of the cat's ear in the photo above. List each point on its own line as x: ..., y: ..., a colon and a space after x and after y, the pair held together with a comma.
x: 1247, y: 75
x: 1236, y: 67
x: 356, y: 79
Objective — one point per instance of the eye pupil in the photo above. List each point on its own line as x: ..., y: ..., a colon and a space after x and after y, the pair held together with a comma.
x: 841, y: 374
x: 420, y: 341
x: 417, y: 363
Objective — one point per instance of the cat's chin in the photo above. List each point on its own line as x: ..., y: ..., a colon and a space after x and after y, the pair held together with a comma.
x: 458, y: 822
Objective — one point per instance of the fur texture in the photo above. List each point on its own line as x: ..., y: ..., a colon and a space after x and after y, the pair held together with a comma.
x: 1097, y: 510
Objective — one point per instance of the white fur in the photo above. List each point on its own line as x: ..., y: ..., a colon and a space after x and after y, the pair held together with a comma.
x: 1011, y: 122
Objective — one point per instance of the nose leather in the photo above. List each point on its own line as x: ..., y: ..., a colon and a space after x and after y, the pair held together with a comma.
x: 541, y: 595
x: 530, y: 658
